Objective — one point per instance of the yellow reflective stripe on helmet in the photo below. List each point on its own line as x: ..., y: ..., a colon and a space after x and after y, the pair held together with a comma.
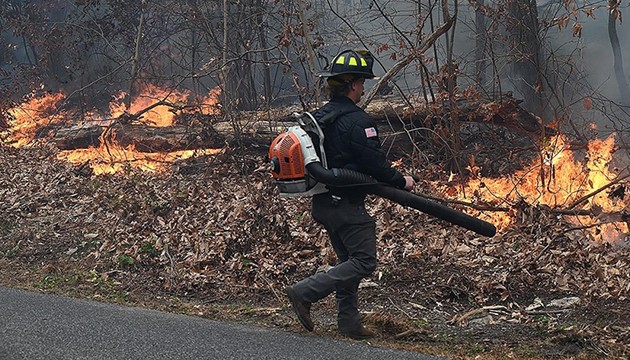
x: 340, y: 60
x: 363, y: 62
x: 352, y: 61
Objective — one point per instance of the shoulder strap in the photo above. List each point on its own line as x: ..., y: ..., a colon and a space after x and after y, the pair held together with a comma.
x: 332, y: 116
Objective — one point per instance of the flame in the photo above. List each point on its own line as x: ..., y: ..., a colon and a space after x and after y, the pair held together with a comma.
x: 210, y: 105
x: 33, y: 114
x: 110, y: 157
x: 162, y: 115
x: 555, y: 179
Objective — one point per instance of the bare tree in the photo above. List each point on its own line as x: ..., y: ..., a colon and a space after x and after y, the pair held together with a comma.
x: 480, y: 43
x: 135, y: 62
x: 526, y: 48
x: 614, y: 14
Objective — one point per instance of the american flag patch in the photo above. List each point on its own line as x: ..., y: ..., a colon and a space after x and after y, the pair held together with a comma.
x: 370, y: 132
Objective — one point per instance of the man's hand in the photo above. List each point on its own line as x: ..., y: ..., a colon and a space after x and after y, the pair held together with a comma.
x: 409, y: 183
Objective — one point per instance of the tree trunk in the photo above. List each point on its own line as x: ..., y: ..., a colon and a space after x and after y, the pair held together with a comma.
x: 480, y: 44
x: 310, y: 54
x: 136, y: 57
x: 144, y: 138
x: 526, y: 48
x: 227, y: 90
x: 622, y: 82
x: 506, y: 113
x: 454, y: 123
x: 262, y: 40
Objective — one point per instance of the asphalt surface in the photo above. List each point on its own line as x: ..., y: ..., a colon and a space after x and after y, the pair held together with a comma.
x: 39, y: 326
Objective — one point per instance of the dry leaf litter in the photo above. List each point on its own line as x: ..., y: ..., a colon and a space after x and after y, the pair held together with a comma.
x: 216, y: 229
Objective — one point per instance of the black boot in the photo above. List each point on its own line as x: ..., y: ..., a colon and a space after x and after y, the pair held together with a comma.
x: 358, y: 332
x: 302, y: 309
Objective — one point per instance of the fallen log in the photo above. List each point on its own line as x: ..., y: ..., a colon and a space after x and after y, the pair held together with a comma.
x: 73, y: 137
x: 505, y: 112
x: 161, y: 139
x: 143, y: 137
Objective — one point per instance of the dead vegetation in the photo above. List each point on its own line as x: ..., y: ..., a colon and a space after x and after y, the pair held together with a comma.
x: 214, y: 232
x: 209, y: 235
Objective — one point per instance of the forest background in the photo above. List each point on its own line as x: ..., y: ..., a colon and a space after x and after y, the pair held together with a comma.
x: 133, y: 157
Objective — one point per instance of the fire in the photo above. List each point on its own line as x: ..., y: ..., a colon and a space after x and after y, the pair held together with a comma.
x: 37, y: 112
x: 210, y: 105
x: 557, y: 180
x: 162, y: 115
x: 110, y: 157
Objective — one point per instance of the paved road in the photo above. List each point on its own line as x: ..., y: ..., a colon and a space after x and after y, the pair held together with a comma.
x: 37, y: 326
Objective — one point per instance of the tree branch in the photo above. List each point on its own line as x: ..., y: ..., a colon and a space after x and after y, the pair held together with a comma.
x: 597, y: 191
x: 431, y: 39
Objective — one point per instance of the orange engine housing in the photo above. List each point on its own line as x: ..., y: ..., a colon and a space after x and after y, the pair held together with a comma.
x: 285, y: 154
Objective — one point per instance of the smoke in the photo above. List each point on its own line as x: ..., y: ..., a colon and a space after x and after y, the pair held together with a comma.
x: 574, y: 67
x: 386, y: 28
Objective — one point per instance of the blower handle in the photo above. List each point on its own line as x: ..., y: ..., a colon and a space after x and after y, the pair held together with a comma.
x: 407, y: 198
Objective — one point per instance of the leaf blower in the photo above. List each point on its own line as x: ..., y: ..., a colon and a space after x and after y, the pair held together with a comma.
x: 299, y: 169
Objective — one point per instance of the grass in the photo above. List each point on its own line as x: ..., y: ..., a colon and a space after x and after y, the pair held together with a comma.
x: 50, y: 282
x: 149, y: 249
x: 125, y: 260
x: 6, y: 226
x: 10, y: 253
x: 476, y: 349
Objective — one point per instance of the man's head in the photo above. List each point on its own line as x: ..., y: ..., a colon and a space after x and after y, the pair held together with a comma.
x: 348, y: 72
x: 347, y: 85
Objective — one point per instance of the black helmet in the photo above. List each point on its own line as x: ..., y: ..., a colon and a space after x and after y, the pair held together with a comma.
x: 351, y: 62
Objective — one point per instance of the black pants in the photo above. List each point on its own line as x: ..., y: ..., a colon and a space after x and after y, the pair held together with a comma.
x: 352, y: 233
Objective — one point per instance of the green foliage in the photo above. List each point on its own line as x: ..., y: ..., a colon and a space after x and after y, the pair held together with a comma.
x: 247, y: 263
x: 543, y: 319
x: 149, y: 248
x: 6, y: 226
x: 125, y: 260
x: 476, y: 349
x: 54, y: 281
x: 98, y: 280
x: 10, y: 253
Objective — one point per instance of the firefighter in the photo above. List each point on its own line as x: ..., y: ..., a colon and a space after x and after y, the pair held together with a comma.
x: 351, y: 142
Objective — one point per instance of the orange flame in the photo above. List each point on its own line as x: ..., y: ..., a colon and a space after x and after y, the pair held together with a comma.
x: 162, y: 115
x: 33, y: 114
x: 110, y: 157
x: 210, y: 105
x: 556, y: 179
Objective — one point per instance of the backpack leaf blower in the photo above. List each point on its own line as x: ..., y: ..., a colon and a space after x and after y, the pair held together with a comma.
x: 299, y: 169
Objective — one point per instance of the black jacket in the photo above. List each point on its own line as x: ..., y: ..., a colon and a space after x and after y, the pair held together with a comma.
x: 352, y: 142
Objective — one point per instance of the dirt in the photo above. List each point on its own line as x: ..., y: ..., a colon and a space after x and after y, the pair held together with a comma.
x: 405, y: 315
x: 212, y: 240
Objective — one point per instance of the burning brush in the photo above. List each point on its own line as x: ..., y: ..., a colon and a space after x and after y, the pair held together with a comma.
x: 153, y: 107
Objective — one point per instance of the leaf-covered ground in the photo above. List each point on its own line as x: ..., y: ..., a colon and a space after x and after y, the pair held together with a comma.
x: 212, y: 238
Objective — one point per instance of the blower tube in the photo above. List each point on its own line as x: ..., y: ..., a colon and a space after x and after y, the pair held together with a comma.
x: 346, y: 177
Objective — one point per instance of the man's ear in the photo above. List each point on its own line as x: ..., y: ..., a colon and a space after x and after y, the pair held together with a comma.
x: 353, y: 84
